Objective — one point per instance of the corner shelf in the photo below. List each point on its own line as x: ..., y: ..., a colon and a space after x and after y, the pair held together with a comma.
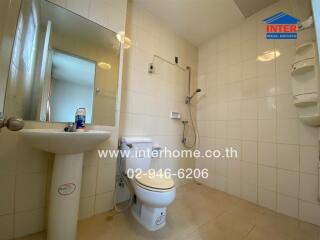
x: 305, y: 84
x: 302, y: 67
x: 304, y: 46
x: 304, y: 100
x: 313, y: 120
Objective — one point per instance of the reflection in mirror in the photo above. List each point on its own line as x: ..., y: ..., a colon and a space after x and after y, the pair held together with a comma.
x: 61, y: 62
x: 70, y: 91
x: 9, y: 11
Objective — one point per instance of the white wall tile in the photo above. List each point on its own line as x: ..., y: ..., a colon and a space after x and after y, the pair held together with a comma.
x: 249, y: 69
x: 234, y: 129
x: 30, y: 166
x: 8, y: 153
x: 106, y: 177
x: 89, y: 178
x: 6, y: 226
x: 33, y: 161
x: 28, y: 222
x: 103, y: 202
x: 288, y: 206
x: 248, y: 49
x: 235, y: 94
x: 288, y: 183
x: 250, y: 151
x: 308, y: 135
x: 310, y: 212
x: 249, y: 192
x: 267, y: 68
x: 220, y: 182
x: 267, y: 198
x: 249, y: 109
x: 221, y: 129
x: 234, y: 187
x: 234, y: 169
x: 267, y: 154
x: 249, y: 129
x: 288, y: 131
x: 285, y: 108
x: 7, y: 194
x: 61, y: 3
x: 249, y: 87
x: 283, y: 81
x: 234, y: 110
x: 258, y: 94
x: 86, y: 208
x: 267, y: 108
x: 308, y: 187
x: 309, y: 159
x: 30, y: 192
x: 249, y: 173
x: 267, y: 130
x: 266, y: 86
x: 98, y: 13
x: 267, y: 178
x: 80, y: 7
x: 288, y: 156
x: 221, y: 166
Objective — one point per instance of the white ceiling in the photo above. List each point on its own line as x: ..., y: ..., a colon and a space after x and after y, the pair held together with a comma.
x: 199, y: 20
x: 195, y: 20
x: 249, y: 7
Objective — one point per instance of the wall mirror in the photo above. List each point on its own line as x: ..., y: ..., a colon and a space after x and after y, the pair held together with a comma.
x: 60, y: 62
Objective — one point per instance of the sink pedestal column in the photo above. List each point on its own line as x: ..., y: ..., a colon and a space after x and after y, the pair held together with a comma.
x: 65, y: 197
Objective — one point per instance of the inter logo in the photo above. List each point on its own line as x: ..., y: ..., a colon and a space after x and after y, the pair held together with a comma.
x: 281, y: 26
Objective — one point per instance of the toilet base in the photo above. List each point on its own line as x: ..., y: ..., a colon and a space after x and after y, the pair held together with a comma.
x: 151, y: 218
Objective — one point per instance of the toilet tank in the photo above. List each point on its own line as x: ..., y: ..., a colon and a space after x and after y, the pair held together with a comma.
x: 133, y: 147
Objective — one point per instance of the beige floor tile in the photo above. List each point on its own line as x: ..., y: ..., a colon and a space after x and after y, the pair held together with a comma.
x: 199, y: 213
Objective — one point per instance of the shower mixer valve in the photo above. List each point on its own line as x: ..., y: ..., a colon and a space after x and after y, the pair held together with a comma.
x: 184, y: 139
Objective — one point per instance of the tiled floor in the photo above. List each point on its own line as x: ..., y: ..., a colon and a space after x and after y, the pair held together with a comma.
x: 200, y: 213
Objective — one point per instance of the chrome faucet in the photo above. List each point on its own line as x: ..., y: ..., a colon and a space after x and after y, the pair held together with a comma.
x: 70, y: 127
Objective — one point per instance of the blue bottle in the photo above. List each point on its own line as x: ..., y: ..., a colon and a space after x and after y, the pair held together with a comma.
x: 80, y: 120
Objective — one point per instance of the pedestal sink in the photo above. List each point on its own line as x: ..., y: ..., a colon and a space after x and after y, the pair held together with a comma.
x: 68, y: 148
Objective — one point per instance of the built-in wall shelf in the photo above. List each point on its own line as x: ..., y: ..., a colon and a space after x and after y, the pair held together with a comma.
x: 312, y: 120
x: 305, y: 51
x: 303, y: 67
x: 305, y: 84
x: 305, y: 99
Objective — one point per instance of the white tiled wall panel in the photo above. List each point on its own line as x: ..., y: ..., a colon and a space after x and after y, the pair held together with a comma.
x: 148, y: 99
x: 25, y: 173
x: 249, y: 101
x: 110, y: 14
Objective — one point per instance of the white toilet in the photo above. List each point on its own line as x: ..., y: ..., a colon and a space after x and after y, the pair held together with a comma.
x: 152, y: 193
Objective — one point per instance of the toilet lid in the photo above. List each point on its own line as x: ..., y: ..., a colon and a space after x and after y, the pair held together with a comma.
x: 156, y: 181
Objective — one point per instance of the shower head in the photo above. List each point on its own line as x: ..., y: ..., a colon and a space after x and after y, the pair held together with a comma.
x: 195, y: 92
x: 188, y: 99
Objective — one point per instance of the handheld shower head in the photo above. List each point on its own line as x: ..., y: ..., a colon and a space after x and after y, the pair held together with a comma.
x: 188, y: 99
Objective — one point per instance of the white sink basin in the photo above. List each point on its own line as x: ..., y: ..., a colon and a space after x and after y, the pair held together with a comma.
x: 58, y: 141
x: 67, y: 173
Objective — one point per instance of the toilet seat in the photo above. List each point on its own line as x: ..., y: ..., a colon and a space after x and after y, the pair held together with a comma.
x: 154, y: 182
